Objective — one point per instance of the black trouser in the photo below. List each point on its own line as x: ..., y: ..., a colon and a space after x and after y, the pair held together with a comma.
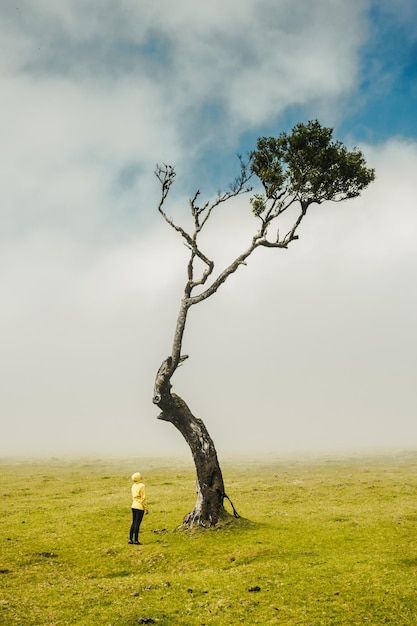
x: 137, y: 516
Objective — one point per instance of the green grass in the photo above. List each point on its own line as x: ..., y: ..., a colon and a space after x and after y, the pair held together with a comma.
x: 324, y: 542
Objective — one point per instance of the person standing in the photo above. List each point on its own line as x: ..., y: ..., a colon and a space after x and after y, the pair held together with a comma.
x: 139, y: 507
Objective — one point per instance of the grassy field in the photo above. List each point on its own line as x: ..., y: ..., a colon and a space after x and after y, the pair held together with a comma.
x: 325, y: 541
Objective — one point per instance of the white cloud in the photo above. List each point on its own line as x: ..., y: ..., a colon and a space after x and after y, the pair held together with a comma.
x: 84, y: 100
x: 90, y: 284
x: 253, y: 62
x: 310, y: 346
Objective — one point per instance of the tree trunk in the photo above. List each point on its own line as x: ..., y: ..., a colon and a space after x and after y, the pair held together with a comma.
x: 209, y: 507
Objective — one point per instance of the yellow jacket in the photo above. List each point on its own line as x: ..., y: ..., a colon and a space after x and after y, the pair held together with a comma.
x: 138, y: 493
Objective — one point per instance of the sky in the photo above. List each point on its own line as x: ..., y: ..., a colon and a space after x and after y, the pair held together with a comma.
x: 314, y: 347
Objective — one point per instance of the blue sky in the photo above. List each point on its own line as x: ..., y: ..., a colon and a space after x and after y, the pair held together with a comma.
x: 386, y: 99
x: 383, y: 103
x: 93, y: 96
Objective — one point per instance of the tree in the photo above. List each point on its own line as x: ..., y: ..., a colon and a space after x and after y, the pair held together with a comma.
x: 295, y: 170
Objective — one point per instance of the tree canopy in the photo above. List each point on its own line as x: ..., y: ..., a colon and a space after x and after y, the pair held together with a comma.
x: 307, y: 166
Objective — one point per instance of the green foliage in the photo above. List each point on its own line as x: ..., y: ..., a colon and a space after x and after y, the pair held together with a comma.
x: 309, y: 166
x: 258, y: 204
x: 330, y: 542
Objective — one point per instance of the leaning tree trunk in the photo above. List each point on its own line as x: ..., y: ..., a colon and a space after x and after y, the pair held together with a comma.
x: 209, y: 506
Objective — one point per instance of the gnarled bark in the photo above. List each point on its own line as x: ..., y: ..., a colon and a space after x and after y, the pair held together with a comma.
x: 209, y: 506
